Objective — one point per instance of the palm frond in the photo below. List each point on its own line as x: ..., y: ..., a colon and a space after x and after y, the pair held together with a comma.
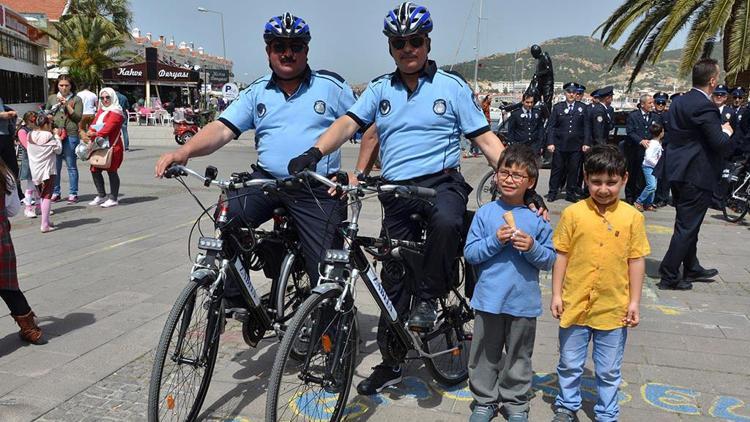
x: 638, y: 37
x: 738, y: 40
x: 623, y: 18
x: 679, y: 16
x: 711, y: 18
x: 644, y: 55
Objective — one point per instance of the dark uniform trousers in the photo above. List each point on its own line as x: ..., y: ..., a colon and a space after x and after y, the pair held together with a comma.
x: 316, y: 219
x: 444, y: 218
x: 691, y: 203
x: 565, y: 165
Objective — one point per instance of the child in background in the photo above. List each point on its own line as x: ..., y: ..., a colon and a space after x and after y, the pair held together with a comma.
x: 651, y: 157
x: 9, y: 290
x: 44, y: 146
x: 31, y: 196
x: 596, y: 284
x: 509, y: 244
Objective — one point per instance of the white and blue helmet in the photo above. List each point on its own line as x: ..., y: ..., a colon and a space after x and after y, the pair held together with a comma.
x: 286, y: 26
x: 407, y: 19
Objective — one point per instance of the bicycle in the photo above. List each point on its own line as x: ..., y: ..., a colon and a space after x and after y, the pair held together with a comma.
x: 487, y: 189
x: 737, y: 180
x: 188, y: 345
x: 317, y: 386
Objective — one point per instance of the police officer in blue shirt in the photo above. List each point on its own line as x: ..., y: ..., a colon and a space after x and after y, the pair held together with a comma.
x: 526, y: 125
x: 420, y: 113
x: 288, y: 109
x: 600, y: 116
x: 566, y: 133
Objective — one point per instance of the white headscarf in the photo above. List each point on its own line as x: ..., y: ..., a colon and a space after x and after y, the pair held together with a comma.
x: 114, y: 104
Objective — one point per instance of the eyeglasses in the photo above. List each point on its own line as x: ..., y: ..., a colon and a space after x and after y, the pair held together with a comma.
x: 516, y: 177
x: 280, y: 47
x: 104, y: 97
x: 399, y: 43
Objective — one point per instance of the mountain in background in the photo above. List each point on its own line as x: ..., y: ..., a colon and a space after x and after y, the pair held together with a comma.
x: 585, y: 60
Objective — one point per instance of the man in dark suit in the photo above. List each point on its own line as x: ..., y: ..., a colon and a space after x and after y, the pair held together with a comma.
x: 566, y: 132
x: 661, y: 197
x: 636, y: 143
x: 526, y: 125
x: 696, y: 141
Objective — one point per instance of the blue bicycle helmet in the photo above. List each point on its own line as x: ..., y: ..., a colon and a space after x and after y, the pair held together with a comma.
x: 407, y: 19
x: 286, y: 26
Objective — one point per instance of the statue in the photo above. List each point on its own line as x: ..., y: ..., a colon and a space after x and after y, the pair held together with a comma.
x: 542, y: 85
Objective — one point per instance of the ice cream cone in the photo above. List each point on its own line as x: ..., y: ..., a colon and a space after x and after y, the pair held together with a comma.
x: 508, y: 217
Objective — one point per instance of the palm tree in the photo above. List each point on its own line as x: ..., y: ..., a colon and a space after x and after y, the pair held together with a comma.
x: 88, y: 46
x: 656, y: 22
x: 116, y: 11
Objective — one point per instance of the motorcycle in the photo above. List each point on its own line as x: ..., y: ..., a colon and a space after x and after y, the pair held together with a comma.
x: 185, y: 124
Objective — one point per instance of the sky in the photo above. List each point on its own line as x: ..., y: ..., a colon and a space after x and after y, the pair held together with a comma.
x: 347, y: 37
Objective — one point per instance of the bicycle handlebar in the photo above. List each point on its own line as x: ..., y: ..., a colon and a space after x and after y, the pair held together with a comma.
x: 372, y: 185
x: 178, y: 170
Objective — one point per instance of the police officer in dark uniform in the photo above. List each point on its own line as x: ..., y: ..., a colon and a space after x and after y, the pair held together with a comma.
x: 566, y: 134
x: 600, y: 118
x: 661, y: 197
x: 526, y: 125
x: 728, y: 112
x: 738, y: 103
x: 636, y: 143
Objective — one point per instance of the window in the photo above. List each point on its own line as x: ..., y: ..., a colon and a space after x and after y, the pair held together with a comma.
x: 18, y: 49
x: 16, y: 88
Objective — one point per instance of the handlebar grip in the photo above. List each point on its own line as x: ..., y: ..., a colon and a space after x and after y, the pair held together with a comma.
x: 173, y: 171
x: 425, y: 193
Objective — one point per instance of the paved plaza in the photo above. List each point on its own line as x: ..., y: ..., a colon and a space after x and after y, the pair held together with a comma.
x: 104, y: 282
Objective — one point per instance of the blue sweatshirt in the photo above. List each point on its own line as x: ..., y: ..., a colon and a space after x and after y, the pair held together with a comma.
x: 508, y: 278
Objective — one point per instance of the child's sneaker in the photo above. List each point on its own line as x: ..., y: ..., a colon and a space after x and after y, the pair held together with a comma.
x: 109, y: 203
x: 48, y: 229
x: 55, y: 197
x: 72, y: 199
x: 483, y: 413
x: 519, y: 417
x: 98, y: 200
x: 29, y: 212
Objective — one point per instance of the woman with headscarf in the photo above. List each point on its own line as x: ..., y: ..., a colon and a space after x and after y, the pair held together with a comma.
x: 107, y: 124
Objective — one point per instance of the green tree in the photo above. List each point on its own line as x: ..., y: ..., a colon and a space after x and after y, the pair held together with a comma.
x: 88, y: 46
x: 655, y: 23
x: 115, y: 11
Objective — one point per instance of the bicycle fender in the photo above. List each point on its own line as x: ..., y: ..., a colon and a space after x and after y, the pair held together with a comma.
x: 327, y: 287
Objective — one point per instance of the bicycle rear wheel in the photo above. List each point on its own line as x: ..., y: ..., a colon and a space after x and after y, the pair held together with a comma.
x: 316, y: 387
x: 185, y: 357
x: 454, y: 330
x: 736, y: 204
x: 486, y: 191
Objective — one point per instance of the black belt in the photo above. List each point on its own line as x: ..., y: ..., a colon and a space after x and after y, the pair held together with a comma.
x: 419, y: 179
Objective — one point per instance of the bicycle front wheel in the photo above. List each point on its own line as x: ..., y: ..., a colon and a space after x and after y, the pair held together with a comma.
x: 185, y: 357
x: 486, y: 191
x: 316, y: 387
x: 736, y: 204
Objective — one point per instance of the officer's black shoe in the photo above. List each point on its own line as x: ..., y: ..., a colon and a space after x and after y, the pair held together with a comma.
x: 382, y: 376
x: 551, y: 197
x: 571, y: 198
x: 706, y: 275
x: 423, y: 316
x: 680, y: 285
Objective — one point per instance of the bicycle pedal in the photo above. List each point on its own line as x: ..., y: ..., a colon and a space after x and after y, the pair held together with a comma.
x: 239, y: 314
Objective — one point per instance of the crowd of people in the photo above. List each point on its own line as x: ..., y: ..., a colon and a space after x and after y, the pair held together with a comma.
x: 413, y: 119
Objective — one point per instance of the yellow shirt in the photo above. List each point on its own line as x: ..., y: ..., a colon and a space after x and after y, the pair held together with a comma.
x: 596, y: 287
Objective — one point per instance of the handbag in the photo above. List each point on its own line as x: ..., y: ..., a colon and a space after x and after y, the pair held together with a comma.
x: 102, y: 158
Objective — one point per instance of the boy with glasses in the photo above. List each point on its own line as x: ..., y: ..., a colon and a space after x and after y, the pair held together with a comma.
x: 509, y: 244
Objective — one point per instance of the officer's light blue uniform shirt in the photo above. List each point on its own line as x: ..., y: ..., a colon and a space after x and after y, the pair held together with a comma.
x: 419, y: 131
x: 285, y: 127
x: 508, y: 280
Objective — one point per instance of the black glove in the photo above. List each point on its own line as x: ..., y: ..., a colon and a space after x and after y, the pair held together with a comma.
x: 531, y: 197
x: 307, y: 161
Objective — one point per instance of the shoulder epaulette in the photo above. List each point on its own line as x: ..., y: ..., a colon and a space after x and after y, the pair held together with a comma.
x: 334, y: 75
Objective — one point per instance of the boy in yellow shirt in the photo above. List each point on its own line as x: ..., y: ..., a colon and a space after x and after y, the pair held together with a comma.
x: 596, y: 283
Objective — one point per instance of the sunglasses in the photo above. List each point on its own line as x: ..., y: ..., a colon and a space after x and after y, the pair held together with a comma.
x: 399, y: 43
x: 105, y: 97
x: 280, y: 47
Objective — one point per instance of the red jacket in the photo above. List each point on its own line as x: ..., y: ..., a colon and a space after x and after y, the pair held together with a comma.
x: 111, y: 130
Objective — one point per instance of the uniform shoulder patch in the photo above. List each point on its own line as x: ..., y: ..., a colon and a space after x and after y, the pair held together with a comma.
x: 334, y: 75
x: 380, y: 77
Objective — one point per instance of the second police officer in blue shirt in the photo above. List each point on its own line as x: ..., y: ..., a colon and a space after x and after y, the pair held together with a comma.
x: 420, y: 113
x: 288, y: 109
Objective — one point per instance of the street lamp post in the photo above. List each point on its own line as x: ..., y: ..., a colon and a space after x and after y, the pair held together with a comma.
x: 221, y: 15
